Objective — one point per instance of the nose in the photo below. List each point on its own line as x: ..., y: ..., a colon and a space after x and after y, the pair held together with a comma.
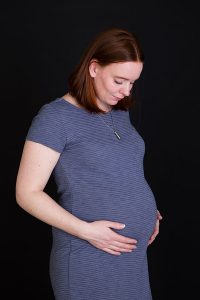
x: 125, y: 91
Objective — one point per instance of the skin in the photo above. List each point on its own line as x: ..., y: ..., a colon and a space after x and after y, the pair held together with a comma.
x: 38, y: 161
x: 114, y: 81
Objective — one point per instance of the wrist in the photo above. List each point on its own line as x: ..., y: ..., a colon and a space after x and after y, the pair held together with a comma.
x: 84, y: 230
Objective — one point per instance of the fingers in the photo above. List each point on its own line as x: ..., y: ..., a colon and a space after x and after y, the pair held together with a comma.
x: 123, y: 239
x: 120, y: 243
x: 122, y: 247
x: 116, y: 250
x: 115, y: 225
x: 127, y: 246
x: 111, y: 251
x: 155, y: 233
x: 159, y: 215
x: 151, y: 240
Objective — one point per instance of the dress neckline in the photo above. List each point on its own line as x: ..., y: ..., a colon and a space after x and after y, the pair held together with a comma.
x: 81, y: 109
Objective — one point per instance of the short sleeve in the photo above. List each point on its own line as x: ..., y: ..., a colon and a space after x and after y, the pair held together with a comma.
x: 47, y: 128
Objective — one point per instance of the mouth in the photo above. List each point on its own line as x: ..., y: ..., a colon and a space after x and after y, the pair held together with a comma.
x: 117, y: 98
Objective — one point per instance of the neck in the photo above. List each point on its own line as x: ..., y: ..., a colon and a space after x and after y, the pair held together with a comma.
x: 71, y: 99
x: 104, y: 107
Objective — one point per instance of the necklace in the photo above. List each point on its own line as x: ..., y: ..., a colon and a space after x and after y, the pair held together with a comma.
x: 111, y: 128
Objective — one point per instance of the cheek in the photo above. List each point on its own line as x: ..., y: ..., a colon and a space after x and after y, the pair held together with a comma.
x: 110, y: 86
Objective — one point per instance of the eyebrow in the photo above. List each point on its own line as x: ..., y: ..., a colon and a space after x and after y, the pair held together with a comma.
x: 119, y: 77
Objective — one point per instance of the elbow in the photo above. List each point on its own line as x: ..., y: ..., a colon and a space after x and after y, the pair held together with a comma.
x: 25, y: 195
x: 18, y: 191
x: 19, y: 196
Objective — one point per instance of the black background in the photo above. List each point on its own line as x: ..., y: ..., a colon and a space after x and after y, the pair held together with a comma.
x: 41, y: 43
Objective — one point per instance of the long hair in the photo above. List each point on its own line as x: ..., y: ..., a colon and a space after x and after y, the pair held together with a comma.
x: 110, y: 46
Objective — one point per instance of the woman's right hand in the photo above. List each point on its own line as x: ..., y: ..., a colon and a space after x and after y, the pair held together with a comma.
x: 100, y: 235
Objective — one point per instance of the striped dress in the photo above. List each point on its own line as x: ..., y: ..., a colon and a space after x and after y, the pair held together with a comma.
x: 98, y: 177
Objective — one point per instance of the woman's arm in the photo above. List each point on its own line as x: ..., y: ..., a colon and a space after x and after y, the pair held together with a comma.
x: 36, y: 166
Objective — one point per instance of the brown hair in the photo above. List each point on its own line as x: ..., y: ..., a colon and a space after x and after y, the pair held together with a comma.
x: 109, y: 46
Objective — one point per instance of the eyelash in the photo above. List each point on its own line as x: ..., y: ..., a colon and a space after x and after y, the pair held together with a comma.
x: 117, y: 82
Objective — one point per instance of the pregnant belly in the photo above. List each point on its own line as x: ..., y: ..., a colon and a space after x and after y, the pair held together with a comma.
x: 133, y: 205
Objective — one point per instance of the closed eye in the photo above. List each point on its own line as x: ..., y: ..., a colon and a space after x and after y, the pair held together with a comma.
x: 121, y: 82
x: 118, y: 82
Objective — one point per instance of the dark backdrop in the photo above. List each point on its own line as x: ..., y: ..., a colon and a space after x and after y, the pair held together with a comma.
x: 41, y: 43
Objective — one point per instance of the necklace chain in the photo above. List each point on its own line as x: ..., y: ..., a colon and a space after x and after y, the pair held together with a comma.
x: 111, y: 128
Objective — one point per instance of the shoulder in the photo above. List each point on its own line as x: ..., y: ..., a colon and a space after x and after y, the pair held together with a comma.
x: 54, y: 107
x: 50, y: 126
x: 57, y: 111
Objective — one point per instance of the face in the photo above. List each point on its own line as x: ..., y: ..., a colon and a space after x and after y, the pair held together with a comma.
x: 114, y: 81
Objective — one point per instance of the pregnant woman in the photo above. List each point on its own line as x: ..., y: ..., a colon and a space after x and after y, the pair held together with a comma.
x: 105, y: 215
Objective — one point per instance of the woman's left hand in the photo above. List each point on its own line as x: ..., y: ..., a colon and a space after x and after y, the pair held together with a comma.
x: 156, y: 229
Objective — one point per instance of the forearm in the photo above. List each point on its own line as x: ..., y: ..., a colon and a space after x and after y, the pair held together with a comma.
x: 43, y: 207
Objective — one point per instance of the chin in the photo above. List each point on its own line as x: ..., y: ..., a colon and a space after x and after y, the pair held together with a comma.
x: 114, y: 102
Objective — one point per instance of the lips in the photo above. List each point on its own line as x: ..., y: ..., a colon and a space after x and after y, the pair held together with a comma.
x: 117, y: 98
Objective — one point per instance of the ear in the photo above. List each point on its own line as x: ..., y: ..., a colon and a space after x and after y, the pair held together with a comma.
x: 93, y: 68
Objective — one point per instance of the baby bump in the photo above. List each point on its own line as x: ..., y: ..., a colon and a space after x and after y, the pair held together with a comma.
x: 133, y: 206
